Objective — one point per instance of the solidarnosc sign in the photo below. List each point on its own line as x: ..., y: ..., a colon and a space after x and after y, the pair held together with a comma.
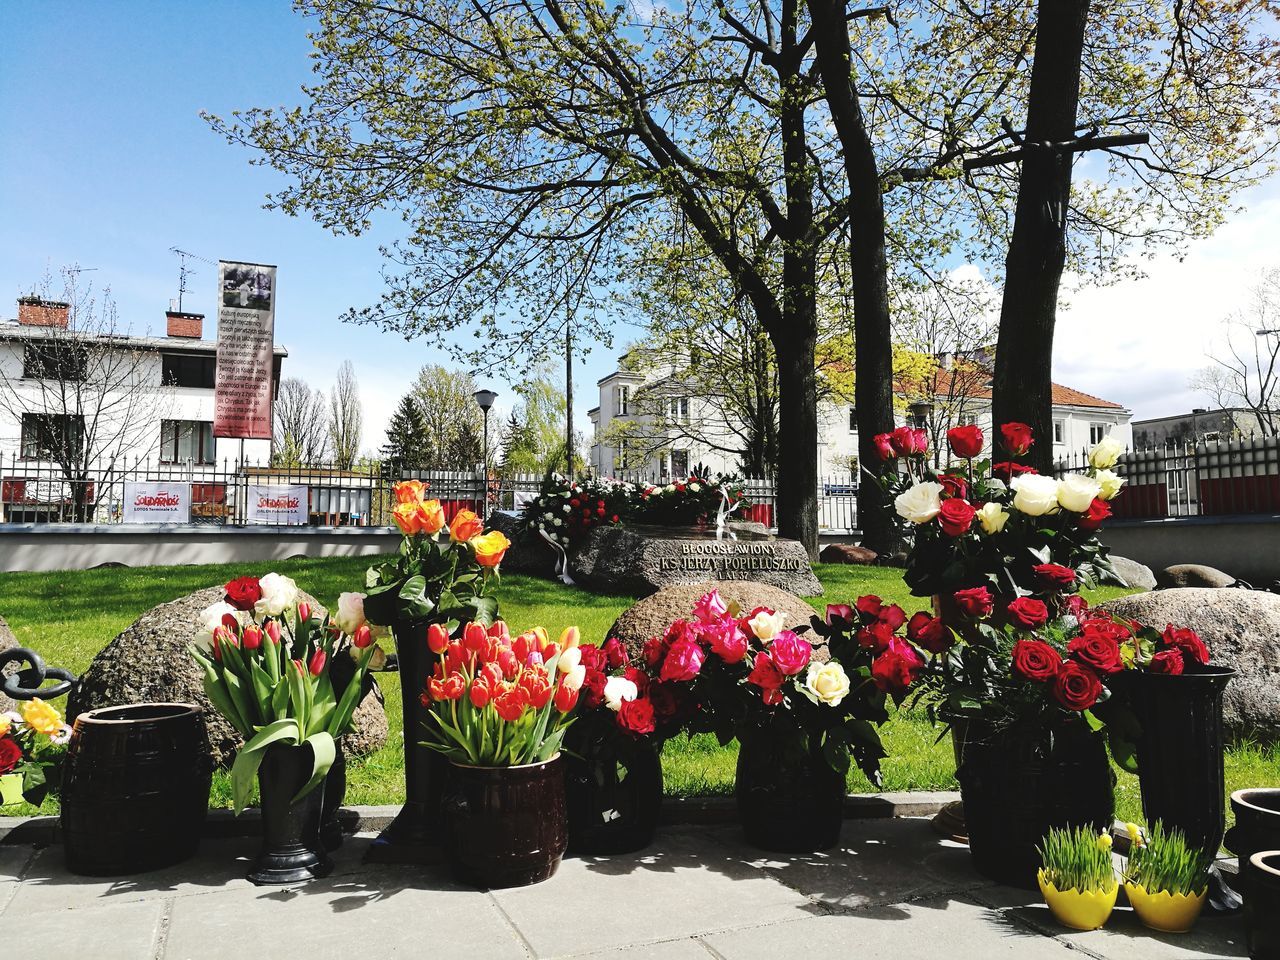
x: 242, y: 391
x: 156, y: 502
x: 277, y: 504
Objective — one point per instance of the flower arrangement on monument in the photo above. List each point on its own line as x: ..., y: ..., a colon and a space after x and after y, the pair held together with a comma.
x: 696, y: 499
x: 32, y: 746
x: 565, y: 510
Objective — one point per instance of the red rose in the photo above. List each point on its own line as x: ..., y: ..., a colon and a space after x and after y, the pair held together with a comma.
x: 875, y: 637
x: 891, y: 616
x: 683, y: 661
x: 1095, y: 650
x: 1104, y: 627
x: 839, y: 613
x: 1027, y: 613
x: 956, y: 517
x: 1075, y: 606
x: 615, y: 653
x: 1054, y: 576
x: 1187, y: 641
x: 639, y: 678
x: 966, y: 442
x: 244, y: 592
x: 975, y: 602
x: 896, y: 668
x: 1017, y: 438
x: 668, y: 700
x: 884, y: 446
x: 930, y: 633
x: 1076, y: 687
x: 1006, y: 470
x: 1036, y: 660
x: 592, y: 693
x: 1167, y: 661
x: 1092, y: 518
x: 636, y: 716
x: 790, y: 653
x: 766, y: 675
x: 869, y: 605
x: 10, y: 755
x: 953, y: 486
x: 909, y: 441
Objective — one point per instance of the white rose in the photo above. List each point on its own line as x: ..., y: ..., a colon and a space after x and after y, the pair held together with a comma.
x: 992, y: 517
x: 278, y: 595
x: 1106, y: 453
x: 767, y: 625
x: 350, y: 612
x: 618, y: 689
x: 826, y: 683
x: 1076, y: 492
x: 1035, y: 495
x: 694, y: 487
x: 921, y: 503
x: 1109, y: 482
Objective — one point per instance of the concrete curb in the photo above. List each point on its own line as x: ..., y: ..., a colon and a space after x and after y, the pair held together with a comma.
x: 43, y: 831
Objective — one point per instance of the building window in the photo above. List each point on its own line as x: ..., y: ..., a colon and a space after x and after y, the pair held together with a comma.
x: 52, y: 436
x: 183, y: 440
x: 188, y: 370
x: 620, y: 461
x: 679, y: 464
x: 56, y: 360
x: 678, y: 409
x: 853, y: 419
x: 1097, y: 431
x: 624, y: 400
x: 1059, y: 431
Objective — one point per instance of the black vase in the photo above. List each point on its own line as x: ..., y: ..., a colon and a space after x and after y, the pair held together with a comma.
x: 789, y: 798
x: 291, y: 849
x: 613, y: 788
x: 1262, y: 906
x: 506, y: 826
x: 334, y: 791
x: 412, y: 837
x: 1017, y: 784
x: 1257, y: 827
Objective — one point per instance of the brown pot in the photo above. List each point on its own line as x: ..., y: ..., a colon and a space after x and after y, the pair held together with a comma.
x: 506, y: 826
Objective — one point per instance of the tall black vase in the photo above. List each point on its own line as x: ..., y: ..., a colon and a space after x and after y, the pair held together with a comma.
x: 413, y: 836
x: 1180, y: 751
x: 790, y: 800
x: 291, y: 848
x: 613, y: 788
x: 1017, y: 784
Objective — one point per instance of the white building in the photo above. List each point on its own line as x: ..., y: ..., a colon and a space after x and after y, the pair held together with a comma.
x: 141, y: 399
x: 1079, y: 421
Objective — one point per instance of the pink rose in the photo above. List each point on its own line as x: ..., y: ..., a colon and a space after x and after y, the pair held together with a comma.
x: 710, y: 606
x: 725, y: 639
x: 683, y: 661
x: 790, y: 653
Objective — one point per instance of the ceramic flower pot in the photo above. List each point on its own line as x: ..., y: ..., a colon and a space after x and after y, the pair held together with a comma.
x: 1257, y: 827
x: 1164, y: 911
x: 613, y: 789
x: 505, y: 826
x: 335, y: 791
x: 291, y: 848
x: 1078, y: 909
x: 1262, y: 906
x: 10, y: 789
x: 1016, y: 785
x: 789, y: 798
x: 135, y: 788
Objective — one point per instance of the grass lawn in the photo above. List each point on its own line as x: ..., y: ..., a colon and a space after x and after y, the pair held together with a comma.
x: 68, y: 616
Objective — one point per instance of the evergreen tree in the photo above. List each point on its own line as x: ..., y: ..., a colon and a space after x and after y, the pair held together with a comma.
x: 406, y: 434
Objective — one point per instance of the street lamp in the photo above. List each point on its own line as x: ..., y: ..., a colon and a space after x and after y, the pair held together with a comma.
x: 920, y: 411
x: 485, y: 398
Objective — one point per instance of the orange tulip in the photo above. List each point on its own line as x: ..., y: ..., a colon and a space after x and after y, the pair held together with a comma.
x: 465, y: 526
x: 432, y: 516
x: 408, y: 491
x: 490, y: 548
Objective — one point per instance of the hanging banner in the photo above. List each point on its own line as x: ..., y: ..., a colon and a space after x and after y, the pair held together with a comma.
x: 246, y: 350
x: 277, y: 504
x: 153, y: 501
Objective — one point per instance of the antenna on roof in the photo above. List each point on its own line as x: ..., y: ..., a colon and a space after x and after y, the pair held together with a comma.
x: 185, y: 271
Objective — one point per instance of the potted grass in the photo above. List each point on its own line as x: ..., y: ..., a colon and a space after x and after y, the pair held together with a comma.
x: 267, y: 670
x: 1166, y: 878
x: 497, y: 710
x: 1077, y: 878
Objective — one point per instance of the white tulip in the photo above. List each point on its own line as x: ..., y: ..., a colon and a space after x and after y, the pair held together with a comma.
x: 574, y: 679
x: 920, y: 503
x: 618, y: 689
x: 1034, y: 494
x: 1109, y: 482
x: 992, y: 517
x: 569, y: 659
x: 1076, y: 492
x: 1106, y: 453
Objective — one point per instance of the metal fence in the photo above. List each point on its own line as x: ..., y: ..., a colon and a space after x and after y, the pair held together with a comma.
x: 1210, y: 478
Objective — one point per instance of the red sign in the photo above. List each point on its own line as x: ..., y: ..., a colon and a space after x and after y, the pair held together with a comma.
x: 242, y: 392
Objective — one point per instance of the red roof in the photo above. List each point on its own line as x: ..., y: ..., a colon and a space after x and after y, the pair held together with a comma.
x: 967, y: 379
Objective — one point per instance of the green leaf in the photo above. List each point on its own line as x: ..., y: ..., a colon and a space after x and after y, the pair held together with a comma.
x: 323, y: 752
x: 245, y: 768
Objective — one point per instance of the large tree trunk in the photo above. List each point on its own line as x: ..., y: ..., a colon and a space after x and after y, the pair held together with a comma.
x: 797, y: 506
x: 873, y: 387
x: 1038, y: 248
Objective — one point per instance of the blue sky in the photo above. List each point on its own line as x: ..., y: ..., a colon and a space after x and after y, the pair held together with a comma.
x: 105, y: 162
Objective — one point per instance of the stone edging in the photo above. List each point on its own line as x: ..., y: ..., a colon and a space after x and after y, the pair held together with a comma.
x: 42, y: 831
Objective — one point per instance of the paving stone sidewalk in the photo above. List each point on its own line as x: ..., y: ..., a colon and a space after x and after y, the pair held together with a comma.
x: 893, y: 891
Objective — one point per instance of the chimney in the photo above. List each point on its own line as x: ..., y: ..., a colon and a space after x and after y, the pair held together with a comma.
x: 189, y: 326
x: 35, y: 312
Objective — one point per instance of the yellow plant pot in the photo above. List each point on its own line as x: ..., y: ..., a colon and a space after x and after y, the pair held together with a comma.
x: 1164, y: 911
x: 1079, y: 910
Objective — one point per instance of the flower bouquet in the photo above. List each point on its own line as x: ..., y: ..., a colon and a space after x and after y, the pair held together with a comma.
x: 497, y: 709
x: 32, y: 745
x: 266, y: 659
x: 566, y: 510
x: 696, y: 499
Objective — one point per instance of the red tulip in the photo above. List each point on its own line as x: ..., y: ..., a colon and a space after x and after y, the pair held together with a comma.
x: 363, y: 636
x: 230, y: 622
x: 566, y: 699
x: 474, y: 637
x: 252, y: 638
x: 272, y: 630
x: 304, y: 611
x: 437, y: 638
x: 479, y: 694
x: 316, y: 666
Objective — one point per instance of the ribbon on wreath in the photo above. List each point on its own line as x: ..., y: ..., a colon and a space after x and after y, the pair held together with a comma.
x: 722, y: 516
x: 562, y: 558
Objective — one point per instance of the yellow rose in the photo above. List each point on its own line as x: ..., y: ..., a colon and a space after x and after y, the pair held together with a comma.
x: 41, y: 717
x: 490, y: 548
x: 1106, y: 453
x: 5, y: 724
x: 993, y: 517
x: 827, y: 683
x: 1109, y: 483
